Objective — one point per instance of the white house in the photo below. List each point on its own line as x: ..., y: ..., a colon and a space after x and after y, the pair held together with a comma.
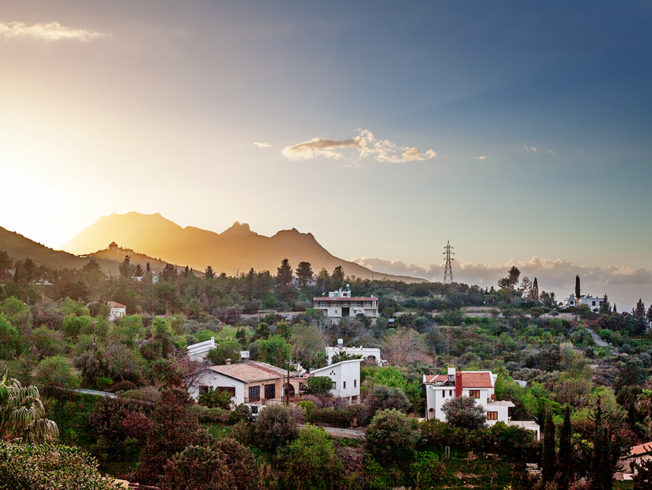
x: 116, y: 310
x: 478, y: 385
x: 200, y: 350
x: 593, y: 302
x: 251, y: 383
x: 340, y: 304
x: 369, y: 354
x: 345, y: 376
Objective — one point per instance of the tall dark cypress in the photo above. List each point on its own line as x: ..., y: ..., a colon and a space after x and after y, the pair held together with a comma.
x: 565, y: 475
x: 577, y: 286
x: 549, y: 466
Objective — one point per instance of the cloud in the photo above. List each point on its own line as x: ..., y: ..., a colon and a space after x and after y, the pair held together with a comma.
x: 262, y: 144
x: 364, y: 144
x: 481, y: 157
x: 623, y: 284
x: 532, y: 149
x: 52, y: 31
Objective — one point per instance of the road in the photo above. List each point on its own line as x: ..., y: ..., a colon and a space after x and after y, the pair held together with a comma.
x: 104, y: 394
x: 343, y: 433
x: 601, y: 343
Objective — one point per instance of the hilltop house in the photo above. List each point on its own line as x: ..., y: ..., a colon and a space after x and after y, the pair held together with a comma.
x: 593, y: 302
x: 345, y: 376
x: 200, y: 350
x: 478, y: 385
x: 116, y: 310
x: 369, y: 354
x: 635, y: 457
x: 340, y: 304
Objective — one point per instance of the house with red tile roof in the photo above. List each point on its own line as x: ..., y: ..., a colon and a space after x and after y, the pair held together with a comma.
x: 116, y: 310
x: 478, y: 385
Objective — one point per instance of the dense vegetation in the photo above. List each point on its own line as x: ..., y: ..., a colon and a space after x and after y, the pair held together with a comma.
x: 593, y: 401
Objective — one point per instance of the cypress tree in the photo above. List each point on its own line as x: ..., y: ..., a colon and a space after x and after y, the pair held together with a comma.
x: 535, y: 290
x: 565, y: 452
x: 549, y: 466
x: 577, y: 286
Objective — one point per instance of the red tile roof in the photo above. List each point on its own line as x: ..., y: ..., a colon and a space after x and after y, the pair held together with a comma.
x: 246, y: 372
x: 436, y: 378
x: 641, y: 449
x: 476, y: 380
x: 115, y: 304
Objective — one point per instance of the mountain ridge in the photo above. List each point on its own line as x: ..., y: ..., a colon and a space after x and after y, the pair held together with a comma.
x: 236, y: 249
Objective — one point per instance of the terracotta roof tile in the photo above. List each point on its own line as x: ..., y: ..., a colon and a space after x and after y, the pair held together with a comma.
x: 476, y: 380
x: 641, y: 449
x: 246, y: 372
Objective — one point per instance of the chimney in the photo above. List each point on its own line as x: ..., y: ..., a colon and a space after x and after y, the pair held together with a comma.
x: 451, y: 374
x: 340, y: 342
x: 458, y: 385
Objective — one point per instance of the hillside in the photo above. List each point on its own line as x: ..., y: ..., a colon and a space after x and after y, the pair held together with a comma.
x: 236, y: 249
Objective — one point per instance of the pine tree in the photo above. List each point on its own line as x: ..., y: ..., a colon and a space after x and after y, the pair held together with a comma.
x: 304, y: 273
x: 577, y: 286
x: 639, y: 309
x: 209, y: 273
x: 565, y: 475
x: 605, y: 307
x: 284, y: 274
x: 649, y: 314
x: 549, y: 466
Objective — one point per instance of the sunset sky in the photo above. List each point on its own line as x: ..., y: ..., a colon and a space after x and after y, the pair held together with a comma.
x: 513, y: 129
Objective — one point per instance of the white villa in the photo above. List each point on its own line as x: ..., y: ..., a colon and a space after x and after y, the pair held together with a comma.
x: 369, y: 354
x: 593, y: 302
x: 199, y: 351
x: 345, y: 376
x: 340, y: 304
x: 116, y: 310
x: 478, y: 385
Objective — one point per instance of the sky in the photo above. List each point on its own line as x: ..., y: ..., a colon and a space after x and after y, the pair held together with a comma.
x: 519, y: 131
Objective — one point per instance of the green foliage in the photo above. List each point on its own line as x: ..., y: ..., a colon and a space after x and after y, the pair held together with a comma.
x: 49, y: 466
x: 426, y: 470
x: 227, y: 349
x: 216, y: 398
x: 56, y: 371
x: 310, y: 462
x: 392, y: 437
x: 74, y: 325
x: 132, y: 329
x: 319, y: 385
x: 464, y: 412
x: 276, y: 426
x: 199, y: 468
x: 275, y: 350
x: 8, y: 338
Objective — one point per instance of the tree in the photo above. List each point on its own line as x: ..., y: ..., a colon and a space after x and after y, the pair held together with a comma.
x: 284, y: 274
x: 227, y: 349
x: 643, y: 477
x: 649, y: 314
x: 46, y: 342
x: 304, y: 273
x: 511, y: 280
x: 464, y: 412
x: 337, y: 279
x: 605, y: 307
x: 277, y: 425
x: 386, y: 398
x: 639, y: 309
x: 126, y: 267
x: 241, y: 463
x: 5, y: 264
x: 319, y: 385
x: 534, y: 292
x: 403, y: 346
x: 132, y: 329
x: 601, y: 465
x: 56, y: 371
x: 138, y: 271
x: 549, y: 464
x: 199, y: 468
x: 8, y: 338
x: 310, y: 461
x: 392, y: 437
x: 578, y: 290
x: 565, y: 473
x: 323, y: 279
x: 209, y: 273
x: 22, y: 415
x: 169, y: 273
x: 274, y: 350
x: 308, y: 343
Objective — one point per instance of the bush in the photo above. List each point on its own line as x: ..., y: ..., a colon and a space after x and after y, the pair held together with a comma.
x: 241, y: 413
x: 216, y: 399
x: 56, y: 371
x: 307, y: 405
x: 386, y: 398
x: 277, y: 425
x: 392, y: 437
x: 464, y: 412
x: 210, y: 415
x: 200, y: 468
x: 427, y: 470
x: 49, y: 466
x: 241, y: 463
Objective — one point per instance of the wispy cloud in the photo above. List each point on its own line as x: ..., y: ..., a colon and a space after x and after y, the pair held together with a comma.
x: 364, y: 145
x: 262, y: 144
x: 532, y: 149
x: 52, y: 31
x: 481, y: 157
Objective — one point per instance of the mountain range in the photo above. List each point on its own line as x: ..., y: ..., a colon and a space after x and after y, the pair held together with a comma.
x: 155, y: 239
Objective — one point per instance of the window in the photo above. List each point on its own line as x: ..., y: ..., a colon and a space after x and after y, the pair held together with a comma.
x: 344, y: 385
x: 443, y: 393
x: 492, y: 415
x: 334, y: 386
x: 355, y: 383
x: 474, y: 393
x: 450, y: 392
x: 270, y: 391
x: 254, y: 393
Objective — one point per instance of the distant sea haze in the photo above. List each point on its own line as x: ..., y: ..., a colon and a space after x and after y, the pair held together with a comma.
x: 623, y: 285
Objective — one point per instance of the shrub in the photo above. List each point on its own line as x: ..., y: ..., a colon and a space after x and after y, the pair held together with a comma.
x: 212, y: 415
x: 241, y: 413
x: 464, y: 412
x: 277, y: 425
x: 199, y: 468
x: 386, y: 398
x: 241, y: 463
x: 216, y: 399
x: 56, y: 371
x: 307, y: 405
x: 49, y: 466
x: 427, y: 470
x: 392, y: 437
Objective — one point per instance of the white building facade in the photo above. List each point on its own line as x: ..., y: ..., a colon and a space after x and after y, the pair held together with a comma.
x: 116, y: 310
x: 340, y: 304
x: 478, y: 385
x: 593, y: 302
x: 345, y: 376
x: 199, y: 351
x: 369, y: 354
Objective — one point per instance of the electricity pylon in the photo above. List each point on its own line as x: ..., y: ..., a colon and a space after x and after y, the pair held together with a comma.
x: 448, y: 263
